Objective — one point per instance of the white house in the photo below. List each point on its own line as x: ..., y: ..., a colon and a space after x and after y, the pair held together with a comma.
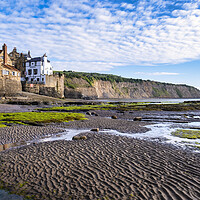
x: 37, y: 69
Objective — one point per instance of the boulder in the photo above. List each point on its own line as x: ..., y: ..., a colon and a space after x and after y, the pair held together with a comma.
x: 76, y: 138
x: 83, y: 137
x: 95, y: 129
x: 88, y: 113
x: 114, y: 117
x: 137, y: 118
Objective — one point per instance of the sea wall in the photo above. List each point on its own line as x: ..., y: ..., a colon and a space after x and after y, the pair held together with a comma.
x: 80, y: 88
x: 54, y: 87
x: 10, y: 86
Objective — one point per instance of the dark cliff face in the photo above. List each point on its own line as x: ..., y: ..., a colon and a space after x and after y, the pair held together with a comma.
x: 80, y: 88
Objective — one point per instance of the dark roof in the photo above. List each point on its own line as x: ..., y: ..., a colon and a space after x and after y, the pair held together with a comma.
x: 37, y: 59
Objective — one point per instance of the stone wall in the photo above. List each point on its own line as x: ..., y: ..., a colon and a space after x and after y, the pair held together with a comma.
x: 10, y: 87
x: 54, y: 87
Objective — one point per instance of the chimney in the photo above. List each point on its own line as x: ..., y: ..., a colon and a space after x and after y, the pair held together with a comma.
x: 29, y: 54
x: 5, y: 58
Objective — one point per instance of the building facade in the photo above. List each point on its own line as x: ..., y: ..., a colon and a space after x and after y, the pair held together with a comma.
x: 37, y: 69
x: 18, y: 61
x: 10, y: 77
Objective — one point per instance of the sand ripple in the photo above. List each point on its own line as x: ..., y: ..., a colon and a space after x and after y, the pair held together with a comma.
x: 102, y: 167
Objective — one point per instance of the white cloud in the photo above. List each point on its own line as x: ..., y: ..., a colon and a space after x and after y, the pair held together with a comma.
x: 90, y: 35
x: 157, y: 73
x: 190, y: 6
x: 127, y: 6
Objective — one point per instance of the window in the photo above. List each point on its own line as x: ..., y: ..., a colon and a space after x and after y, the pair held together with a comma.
x: 33, y: 63
x: 38, y: 79
x: 5, y: 72
x: 32, y: 80
x: 27, y: 64
x: 42, y: 79
x: 29, y: 71
x: 35, y: 71
x: 13, y: 73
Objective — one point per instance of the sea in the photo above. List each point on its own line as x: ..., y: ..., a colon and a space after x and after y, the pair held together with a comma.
x: 146, y: 100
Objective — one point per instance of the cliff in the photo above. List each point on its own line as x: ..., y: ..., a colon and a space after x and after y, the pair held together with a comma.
x: 91, y: 86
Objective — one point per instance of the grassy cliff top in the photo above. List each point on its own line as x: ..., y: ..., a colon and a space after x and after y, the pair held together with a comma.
x: 90, y: 77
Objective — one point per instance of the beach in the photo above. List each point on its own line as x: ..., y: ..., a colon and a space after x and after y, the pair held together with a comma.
x: 103, y: 166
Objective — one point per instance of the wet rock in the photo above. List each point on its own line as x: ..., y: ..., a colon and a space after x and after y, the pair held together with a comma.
x: 95, y: 129
x: 76, y: 138
x: 83, y: 137
x: 114, y: 117
x: 137, y: 118
x: 88, y: 113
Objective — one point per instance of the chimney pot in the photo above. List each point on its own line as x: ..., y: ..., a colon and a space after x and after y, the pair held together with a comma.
x: 5, y: 58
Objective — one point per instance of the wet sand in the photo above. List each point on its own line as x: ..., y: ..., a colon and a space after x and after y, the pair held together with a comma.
x: 101, y: 167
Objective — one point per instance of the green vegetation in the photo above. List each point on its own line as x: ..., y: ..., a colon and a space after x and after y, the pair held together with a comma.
x: 184, y: 133
x: 70, y: 85
x: 90, y: 77
x: 34, y: 118
x: 122, y: 106
x: 179, y: 93
x: 160, y: 92
x: 81, y: 108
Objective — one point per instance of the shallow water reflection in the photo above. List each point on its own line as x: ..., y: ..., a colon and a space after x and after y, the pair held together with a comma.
x: 160, y: 132
x: 4, y: 195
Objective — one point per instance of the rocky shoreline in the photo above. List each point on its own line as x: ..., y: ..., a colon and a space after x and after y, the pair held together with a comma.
x: 101, y: 167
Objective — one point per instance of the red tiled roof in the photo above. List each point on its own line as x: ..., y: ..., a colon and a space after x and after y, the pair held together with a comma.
x: 10, y: 68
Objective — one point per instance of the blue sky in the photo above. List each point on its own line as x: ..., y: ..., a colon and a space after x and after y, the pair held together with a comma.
x: 148, y: 39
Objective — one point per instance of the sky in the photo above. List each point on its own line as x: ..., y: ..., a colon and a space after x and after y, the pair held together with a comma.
x: 146, y: 39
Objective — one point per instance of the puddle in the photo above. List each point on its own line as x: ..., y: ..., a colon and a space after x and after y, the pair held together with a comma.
x: 4, y: 195
x: 66, y: 135
x: 160, y: 132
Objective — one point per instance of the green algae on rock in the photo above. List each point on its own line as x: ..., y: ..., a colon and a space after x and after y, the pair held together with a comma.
x: 185, y: 133
x: 35, y: 118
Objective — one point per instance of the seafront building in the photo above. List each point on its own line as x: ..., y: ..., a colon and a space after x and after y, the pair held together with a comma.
x: 10, y: 77
x: 19, y: 71
x: 18, y: 61
x: 37, y: 70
